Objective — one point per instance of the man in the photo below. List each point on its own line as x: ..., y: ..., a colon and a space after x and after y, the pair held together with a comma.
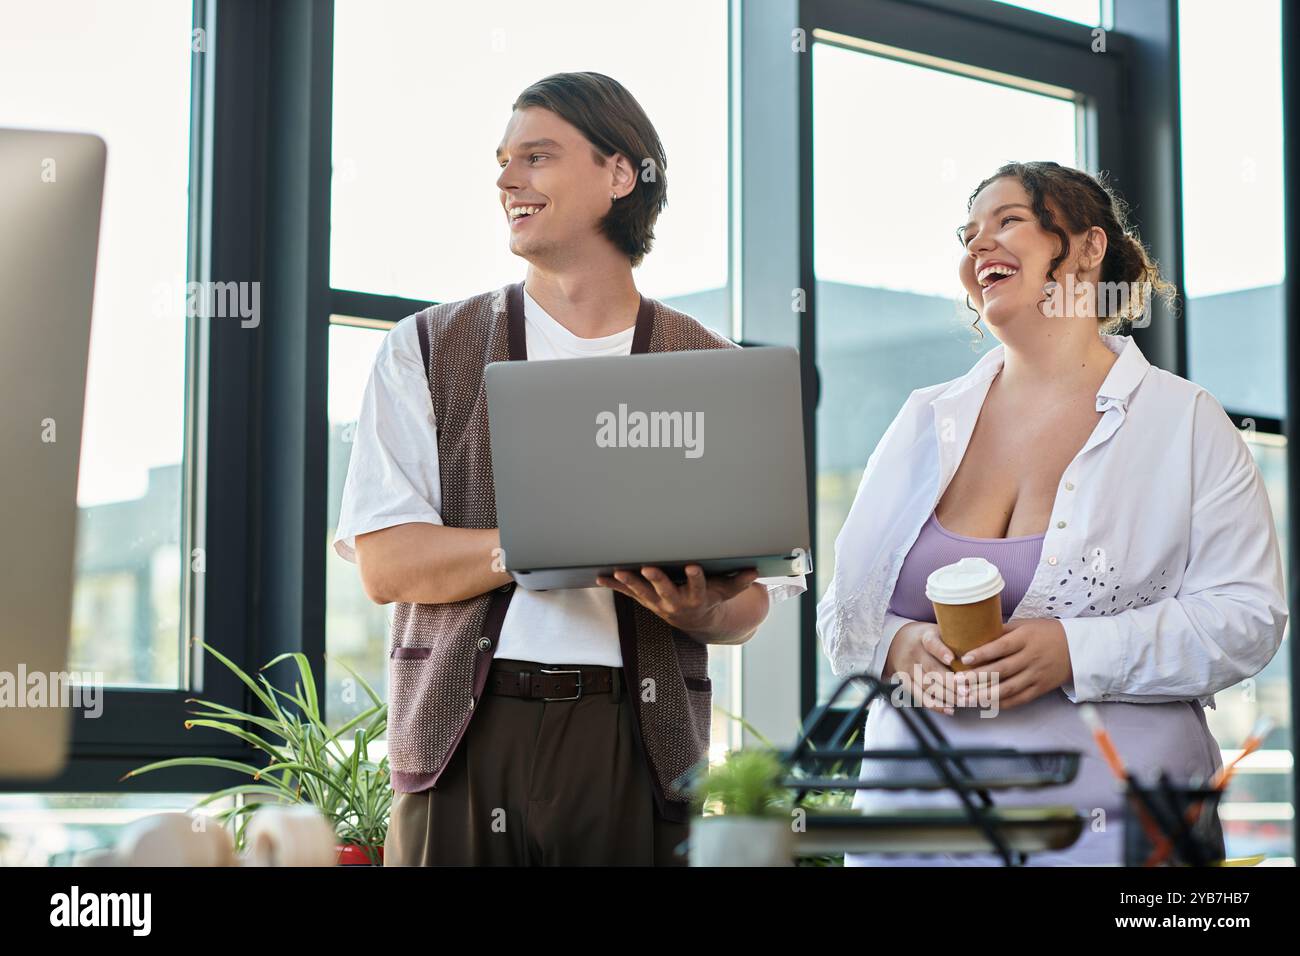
x: 534, y: 727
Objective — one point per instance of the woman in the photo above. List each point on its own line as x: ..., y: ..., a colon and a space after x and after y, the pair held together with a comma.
x: 1124, y: 512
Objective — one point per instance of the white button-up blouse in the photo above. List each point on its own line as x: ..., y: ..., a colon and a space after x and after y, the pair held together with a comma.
x: 1161, y: 559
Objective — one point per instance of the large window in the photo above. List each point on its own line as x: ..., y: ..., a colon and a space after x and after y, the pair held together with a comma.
x: 82, y: 65
x: 1259, y: 812
x: 1234, y: 265
x: 356, y: 627
x: 1233, y: 243
x: 888, y: 323
x: 419, y: 110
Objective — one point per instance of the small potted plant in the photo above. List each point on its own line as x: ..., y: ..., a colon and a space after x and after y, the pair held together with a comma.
x: 747, y: 817
x: 815, y: 801
x: 308, y: 762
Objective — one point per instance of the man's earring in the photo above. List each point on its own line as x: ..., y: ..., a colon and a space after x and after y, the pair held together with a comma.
x: 613, y: 197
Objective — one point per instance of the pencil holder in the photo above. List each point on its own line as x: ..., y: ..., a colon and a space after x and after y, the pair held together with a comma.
x: 1173, y: 824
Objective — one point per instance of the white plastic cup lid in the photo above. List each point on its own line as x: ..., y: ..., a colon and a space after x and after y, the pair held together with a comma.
x: 965, y: 582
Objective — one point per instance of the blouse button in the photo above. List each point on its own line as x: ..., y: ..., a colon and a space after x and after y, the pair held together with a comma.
x: 1069, y: 486
x: 1060, y: 524
x: 1052, y: 560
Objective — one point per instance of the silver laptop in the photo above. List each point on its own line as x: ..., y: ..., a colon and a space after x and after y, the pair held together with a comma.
x: 664, y: 459
x: 51, y: 187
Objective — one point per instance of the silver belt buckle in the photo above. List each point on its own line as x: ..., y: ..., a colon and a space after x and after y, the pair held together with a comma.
x: 578, y: 672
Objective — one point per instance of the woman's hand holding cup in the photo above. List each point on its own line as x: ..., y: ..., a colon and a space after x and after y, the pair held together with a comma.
x: 917, y: 649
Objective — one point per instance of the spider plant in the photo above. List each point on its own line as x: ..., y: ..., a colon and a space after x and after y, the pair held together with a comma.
x: 307, y: 762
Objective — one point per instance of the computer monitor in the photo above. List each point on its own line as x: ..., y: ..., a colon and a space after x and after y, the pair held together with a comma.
x: 51, y: 191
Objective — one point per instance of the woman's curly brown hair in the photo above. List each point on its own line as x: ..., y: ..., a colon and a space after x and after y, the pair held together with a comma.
x: 1085, y: 201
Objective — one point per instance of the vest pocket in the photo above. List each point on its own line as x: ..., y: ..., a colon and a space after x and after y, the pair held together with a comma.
x: 699, y: 696
x: 409, y: 653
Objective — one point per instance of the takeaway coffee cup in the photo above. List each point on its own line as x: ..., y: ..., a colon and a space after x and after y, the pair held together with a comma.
x: 967, y: 599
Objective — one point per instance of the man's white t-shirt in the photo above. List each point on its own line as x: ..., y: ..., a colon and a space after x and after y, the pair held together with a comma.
x: 393, y: 479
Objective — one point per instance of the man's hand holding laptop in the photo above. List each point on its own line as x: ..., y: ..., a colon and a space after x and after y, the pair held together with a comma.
x: 712, y: 609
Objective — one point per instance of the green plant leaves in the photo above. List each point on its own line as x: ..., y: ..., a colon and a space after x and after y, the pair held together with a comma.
x: 307, y: 762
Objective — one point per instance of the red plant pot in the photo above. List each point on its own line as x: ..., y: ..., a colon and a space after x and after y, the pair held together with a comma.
x: 352, y: 855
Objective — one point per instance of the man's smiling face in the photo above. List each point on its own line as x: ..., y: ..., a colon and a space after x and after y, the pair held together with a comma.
x: 554, y: 186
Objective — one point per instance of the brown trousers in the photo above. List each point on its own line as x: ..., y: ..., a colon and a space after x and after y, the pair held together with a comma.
x: 533, y: 782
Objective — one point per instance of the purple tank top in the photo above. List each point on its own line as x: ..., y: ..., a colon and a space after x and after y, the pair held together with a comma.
x: 1015, y: 558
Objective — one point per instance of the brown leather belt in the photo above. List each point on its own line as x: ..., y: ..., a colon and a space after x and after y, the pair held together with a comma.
x: 549, y: 682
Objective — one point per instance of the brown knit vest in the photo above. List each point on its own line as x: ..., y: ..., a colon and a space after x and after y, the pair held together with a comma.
x: 440, y: 653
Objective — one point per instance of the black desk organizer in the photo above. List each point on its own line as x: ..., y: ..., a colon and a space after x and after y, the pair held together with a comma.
x: 968, y: 772
x: 1164, y: 806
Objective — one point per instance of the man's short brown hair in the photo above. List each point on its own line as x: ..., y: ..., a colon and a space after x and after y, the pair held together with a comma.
x: 608, y: 115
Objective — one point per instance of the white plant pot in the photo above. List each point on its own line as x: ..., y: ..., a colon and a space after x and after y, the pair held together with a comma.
x: 297, y: 835
x: 741, y: 841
